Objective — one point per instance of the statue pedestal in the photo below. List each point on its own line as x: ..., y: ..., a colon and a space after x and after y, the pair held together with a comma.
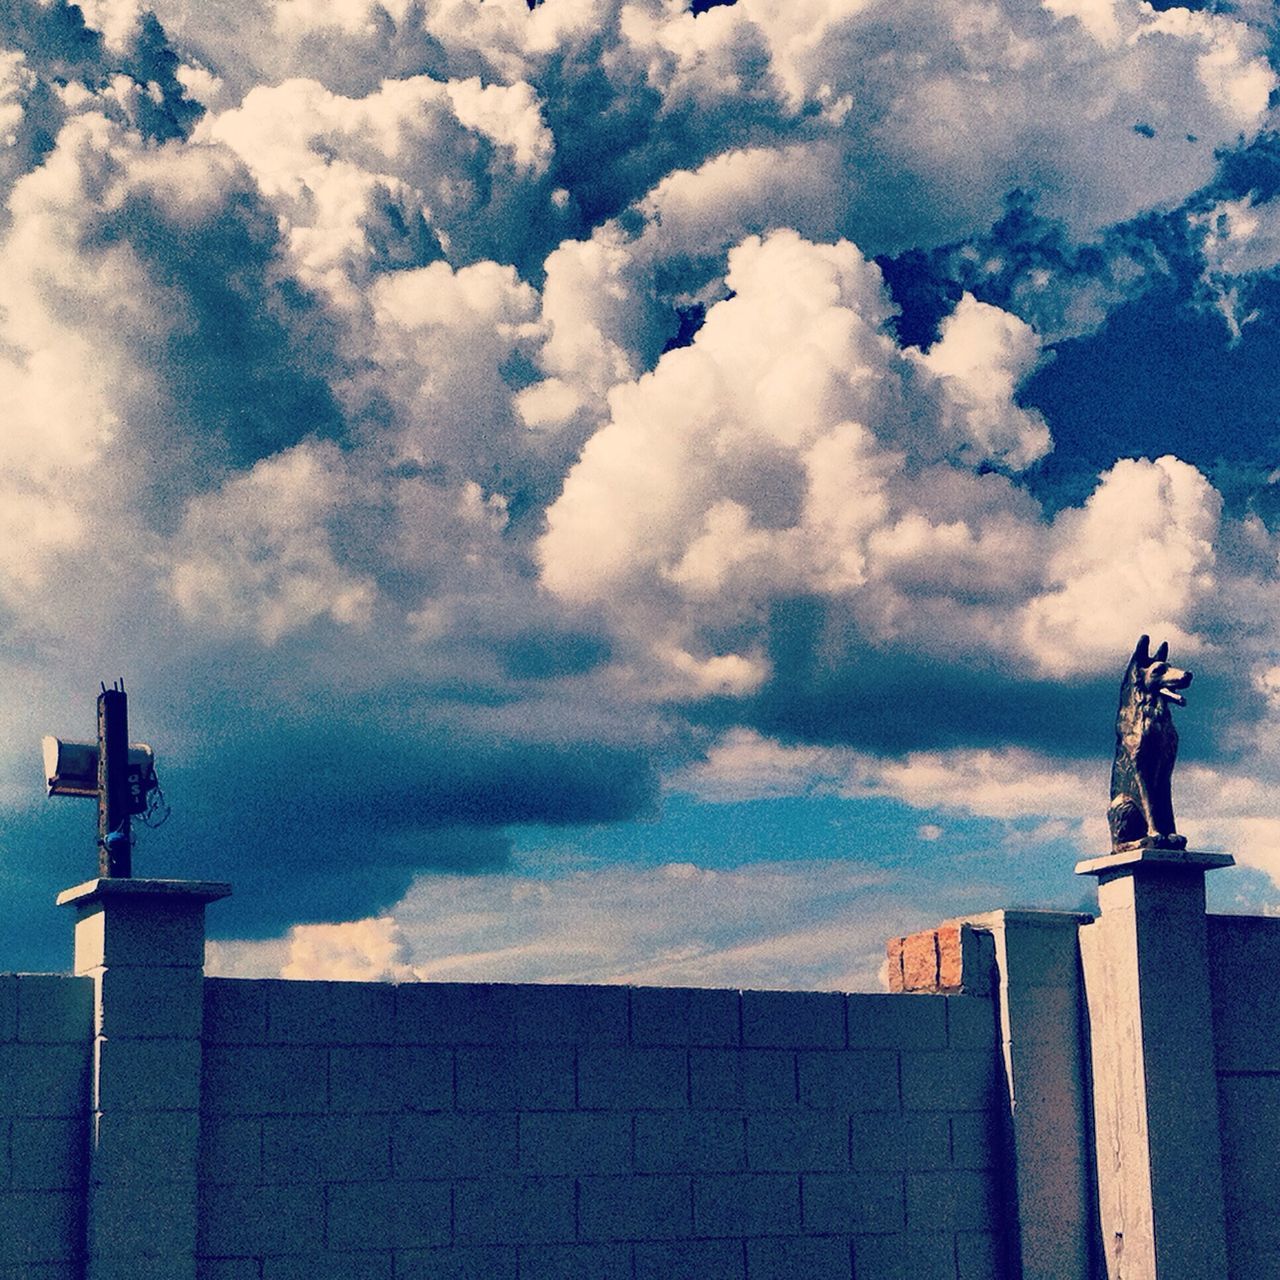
x: 1146, y: 978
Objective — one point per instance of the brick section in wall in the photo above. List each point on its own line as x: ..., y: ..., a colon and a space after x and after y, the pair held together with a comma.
x: 932, y: 961
x: 46, y: 1028
x: 441, y: 1130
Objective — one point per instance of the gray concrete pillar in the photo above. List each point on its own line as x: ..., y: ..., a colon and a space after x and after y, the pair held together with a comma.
x: 1036, y: 959
x: 142, y: 942
x: 1155, y: 1096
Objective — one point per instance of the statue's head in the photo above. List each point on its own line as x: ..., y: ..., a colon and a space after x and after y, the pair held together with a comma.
x: 1152, y: 673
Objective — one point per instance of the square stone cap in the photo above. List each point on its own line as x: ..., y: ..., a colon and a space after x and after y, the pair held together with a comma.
x: 1191, y: 859
x: 100, y: 890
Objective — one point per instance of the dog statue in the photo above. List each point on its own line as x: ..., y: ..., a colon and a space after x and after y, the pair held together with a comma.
x: 1141, y: 812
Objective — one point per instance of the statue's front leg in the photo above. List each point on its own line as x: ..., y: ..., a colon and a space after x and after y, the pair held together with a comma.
x: 1144, y: 800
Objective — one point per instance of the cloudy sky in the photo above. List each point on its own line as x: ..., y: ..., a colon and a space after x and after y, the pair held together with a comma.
x: 633, y: 489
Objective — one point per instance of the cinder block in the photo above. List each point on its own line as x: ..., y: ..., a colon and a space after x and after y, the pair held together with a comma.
x: 852, y: 1203
x: 957, y: 1080
x: 856, y: 1080
x: 147, y: 1075
x: 976, y: 1141
x: 685, y: 1016
x: 564, y: 1014
x: 904, y: 1257
x: 753, y: 1204
x: 445, y: 1145
x: 576, y: 1262
x: 692, y: 1260
x: 143, y: 931
x: 977, y: 1255
x: 53, y: 1009
x: 159, y: 1146
x: 636, y: 1207
x: 1249, y: 1107
x: 384, y: 1215
x: 1043, y: 948
x: 228, y: 1269
x: 694, y: 1142
x: 893, y: 1143
x: 1240, y: 948
x: 46, y: 1155
x: 129, y: 1222
x: 454, y: 1013
x: 235, y: 1011
x: 798, y: 1142
x: 150, y: 1001
x: 793, y: 1019
x: 971, y: 1023
x: 366, y: 1079
x: 333, y: 1148
x: 747, y: 1079
x: 508, y: 1078
x: 920, y: 961
x: 39, y: 1226
x: 44, y: 1079
x: 8, y: 1007
x: 230, y: 1148
x: 954, y: 1200
x: 44, y: 1271
x: 456, y: 1264
x: 247, y: 1221
x: 264, y: 1079
x: 514, y: 1210
x: 890, y: 1022
x: 330, y: 1012
x: 825, y: 1257
x: 574, y: 1142
x: 131, y: 1266
x: 330, y: 1266
x: 632, y: 1079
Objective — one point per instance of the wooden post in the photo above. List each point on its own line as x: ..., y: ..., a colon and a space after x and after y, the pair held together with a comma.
x: 114, y: 840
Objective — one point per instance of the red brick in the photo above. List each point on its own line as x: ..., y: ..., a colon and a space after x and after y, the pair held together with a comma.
x: 920, y: 961
x: 950, y: 957
x: 894, y: 950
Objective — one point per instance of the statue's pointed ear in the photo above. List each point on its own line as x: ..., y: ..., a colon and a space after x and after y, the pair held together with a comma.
x: 1162, y: 653
x: 1142, y: 653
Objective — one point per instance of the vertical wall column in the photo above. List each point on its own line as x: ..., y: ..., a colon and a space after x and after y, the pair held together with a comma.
x: 1155, y: 1089
x: 1041, y: 1028
x: 1030, y: 961
x: 142, y: 941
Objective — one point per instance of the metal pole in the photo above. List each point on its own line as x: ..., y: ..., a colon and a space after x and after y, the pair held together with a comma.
x: 114, y: 841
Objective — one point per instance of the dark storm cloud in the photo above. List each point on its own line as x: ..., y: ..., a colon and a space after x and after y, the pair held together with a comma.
x: 344, y: 815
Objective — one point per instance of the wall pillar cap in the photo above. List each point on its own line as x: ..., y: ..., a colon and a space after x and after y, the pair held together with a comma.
x: 105, y: 888
x: 1165, y: 859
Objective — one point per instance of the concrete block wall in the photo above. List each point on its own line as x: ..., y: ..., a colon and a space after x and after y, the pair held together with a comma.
x: 46, y: 1033
x: 1244, y: 956
x: 551, y: 1132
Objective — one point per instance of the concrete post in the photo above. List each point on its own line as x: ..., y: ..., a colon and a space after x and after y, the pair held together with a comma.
x: 142, y: 942
x: 1041, y: 1024
x: 1155, y: 1100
